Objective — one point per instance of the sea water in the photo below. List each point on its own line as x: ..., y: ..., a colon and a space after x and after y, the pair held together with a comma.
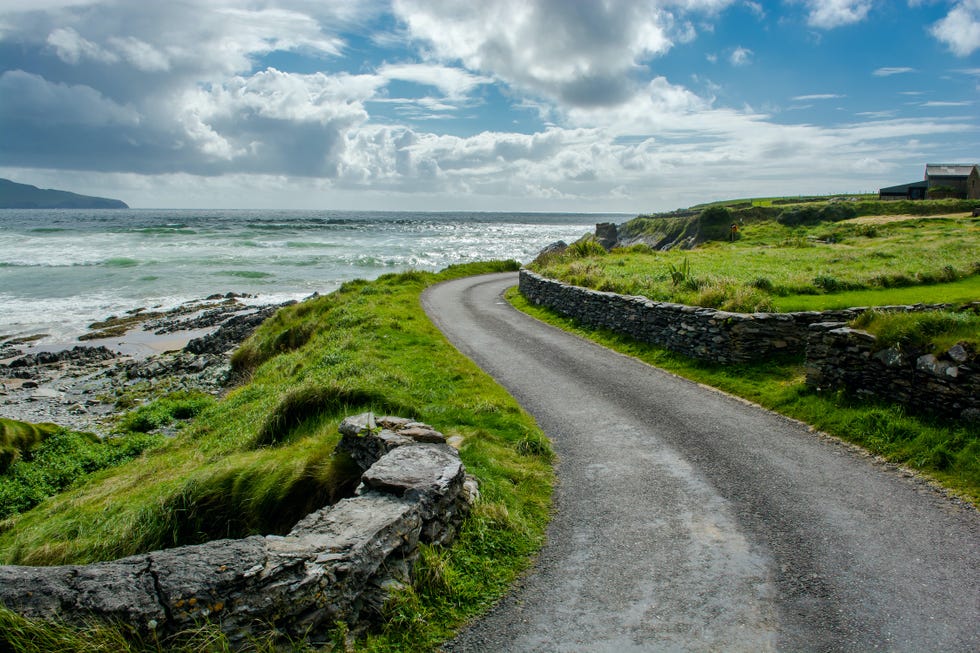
x: 63, y: 269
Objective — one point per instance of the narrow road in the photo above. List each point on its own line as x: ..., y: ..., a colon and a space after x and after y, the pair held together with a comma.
x: 687, y: 520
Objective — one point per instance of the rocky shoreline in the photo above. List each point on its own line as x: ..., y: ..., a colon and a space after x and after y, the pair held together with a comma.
x: 80, y: 387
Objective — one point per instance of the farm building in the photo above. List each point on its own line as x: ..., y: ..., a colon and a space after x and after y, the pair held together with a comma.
x: 914, y: 191
x: 941, y: 179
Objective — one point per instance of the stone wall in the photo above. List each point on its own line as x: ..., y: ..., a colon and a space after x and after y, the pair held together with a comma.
x: 836, y: 356
x: 704, y: 333
x: 337, y: 564
x: 841, y: 357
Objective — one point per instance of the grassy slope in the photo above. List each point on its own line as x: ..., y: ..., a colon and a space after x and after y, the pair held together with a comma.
x: 261, y: 458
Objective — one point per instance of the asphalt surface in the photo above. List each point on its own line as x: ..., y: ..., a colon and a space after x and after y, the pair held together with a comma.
x: 687, y: 520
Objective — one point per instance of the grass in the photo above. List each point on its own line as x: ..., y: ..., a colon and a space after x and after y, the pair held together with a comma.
x: 955, y: 292
x: 62, y: 459
x: 946, y: 451
x: 929, y: 332
x: 773, y: 266
x: 17, y: 439
x: 261, y: 458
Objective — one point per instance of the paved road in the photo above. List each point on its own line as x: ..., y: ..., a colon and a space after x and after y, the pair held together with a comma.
x: 686, y: 520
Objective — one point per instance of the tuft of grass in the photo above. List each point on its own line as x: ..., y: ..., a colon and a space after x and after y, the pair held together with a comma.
x: 180, y: 405
x: 17, y: 439
x: 585, y: 248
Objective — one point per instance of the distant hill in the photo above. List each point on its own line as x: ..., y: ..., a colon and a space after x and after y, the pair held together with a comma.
x: 25, y: 196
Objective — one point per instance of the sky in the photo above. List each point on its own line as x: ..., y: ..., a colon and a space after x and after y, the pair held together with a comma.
x: 493, y: 105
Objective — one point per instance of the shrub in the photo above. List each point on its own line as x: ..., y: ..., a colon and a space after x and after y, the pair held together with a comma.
x: 714, y: 223
x: 828, y: 283
x: 803, y: 215
x: 680, y: 275
x: 585, y: 248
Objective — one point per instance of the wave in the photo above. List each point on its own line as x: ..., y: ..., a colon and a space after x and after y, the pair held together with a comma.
x: 245, y: 274
x: 120, y: 262
x: 317, y: 244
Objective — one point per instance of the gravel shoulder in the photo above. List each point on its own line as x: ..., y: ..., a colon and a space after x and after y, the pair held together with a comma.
x: 687, y: 520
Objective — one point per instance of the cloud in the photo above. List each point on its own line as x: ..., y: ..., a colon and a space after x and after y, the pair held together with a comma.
x: 740, y: 56
x: 452, y: 82
x: 186, y: 93
x: 888, y: 71
x: 960, y: 29
x: 575, y: 53
x: 30, y: 98
x: 828, y: 14
x: 72, y: 48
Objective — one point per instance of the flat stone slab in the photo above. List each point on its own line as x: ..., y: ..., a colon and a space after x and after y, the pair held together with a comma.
x: 423, y: 471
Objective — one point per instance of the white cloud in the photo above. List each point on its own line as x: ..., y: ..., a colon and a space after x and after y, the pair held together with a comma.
x: 179, y: 87
x: 578, y: 54
x: 960, y: 29
x: 455, y: 83
x: 72, y: 48
x: 755, y: 7
x: 740, y: 56
x: 140, y: 54
x: 888, y: 71
x: 828, y: 14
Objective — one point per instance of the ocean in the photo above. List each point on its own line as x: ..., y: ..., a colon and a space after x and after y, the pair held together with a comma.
x: 61, y: 270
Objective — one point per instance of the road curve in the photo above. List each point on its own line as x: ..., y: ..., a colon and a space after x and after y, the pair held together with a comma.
x: 687, y: 520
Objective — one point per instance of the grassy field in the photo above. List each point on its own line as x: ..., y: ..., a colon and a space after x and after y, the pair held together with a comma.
x: 773, y: 266
x: 258, y: 460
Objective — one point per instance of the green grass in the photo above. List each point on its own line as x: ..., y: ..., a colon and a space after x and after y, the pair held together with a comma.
x: 926, y: 332
x: 61, y: 460
x: 17, y: 439
x: 946, y: 451
x: 260, y: 459
x: 955, y: 292
x: 772, y: 266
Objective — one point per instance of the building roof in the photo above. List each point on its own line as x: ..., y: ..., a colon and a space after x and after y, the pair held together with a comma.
x: 949, y: 169
x: 902, y: 188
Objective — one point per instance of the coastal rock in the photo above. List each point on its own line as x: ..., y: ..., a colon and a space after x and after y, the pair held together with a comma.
x: 78, y: 354
x: 607, y: 235
x: 232, y: 332
x: 556, y: 247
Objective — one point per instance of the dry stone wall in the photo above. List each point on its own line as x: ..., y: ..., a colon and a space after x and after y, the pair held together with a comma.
x: 339, y: 563
x: 836, y: 356
x: 694, y: 331
x: 841, y: 357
